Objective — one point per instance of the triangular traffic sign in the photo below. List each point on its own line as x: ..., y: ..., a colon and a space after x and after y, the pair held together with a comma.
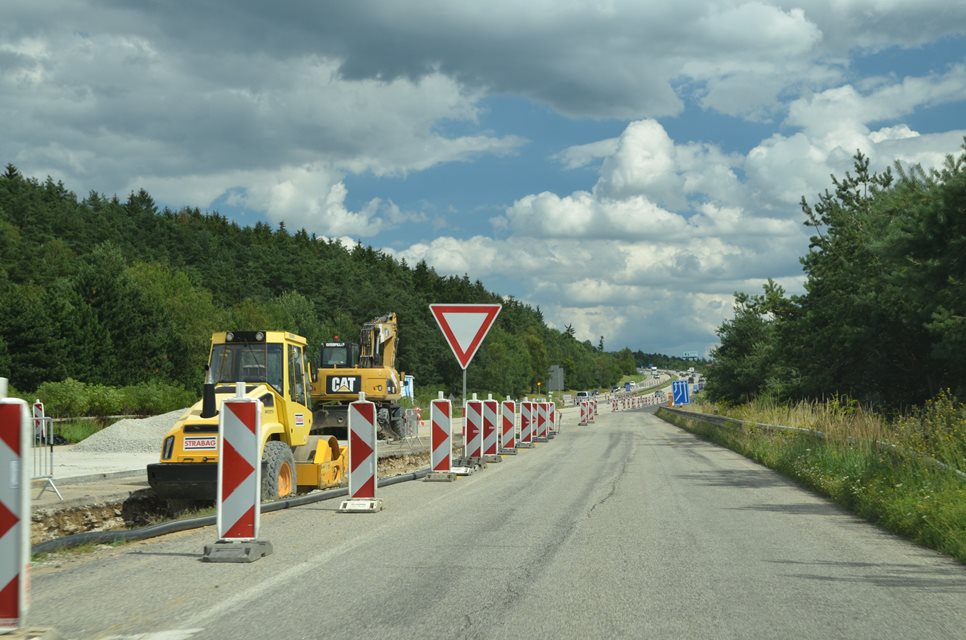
x: 464, y: 326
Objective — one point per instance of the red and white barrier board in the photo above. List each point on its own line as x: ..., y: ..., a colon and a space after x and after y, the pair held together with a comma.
x: 526, y: 423
x: 540, y: 408
x: 584, y: 409
x: 473, y: 430
x: 552, y: 418
x: 441, y: 467
x: 15, y: 439
x: 490, y: 439
x: 593, y: 411
x: 508, y: 413
x: 40, y: 425
x: 441, y: 441
x: 363, y: 482
x: 239, y: 469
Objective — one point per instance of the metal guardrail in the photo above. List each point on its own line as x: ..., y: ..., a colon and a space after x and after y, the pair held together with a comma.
x: 724, y: 421
x: 43, y: 454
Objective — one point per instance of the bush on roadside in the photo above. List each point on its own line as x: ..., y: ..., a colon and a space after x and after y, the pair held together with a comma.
x: 937, y: 430
x: 153, y: 398
x: 74, y: 399
x: 67, y: 398
x: 103, y: 400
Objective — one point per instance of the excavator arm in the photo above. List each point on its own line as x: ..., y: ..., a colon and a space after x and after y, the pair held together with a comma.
x: 378, y: 342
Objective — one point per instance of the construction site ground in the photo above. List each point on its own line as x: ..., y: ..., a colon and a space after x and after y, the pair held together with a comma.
x: 107, y: 491
x: 101, y: 484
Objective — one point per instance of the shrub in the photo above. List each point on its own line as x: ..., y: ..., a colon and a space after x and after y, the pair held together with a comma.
x: 67, y: 398
x: 152, y: 398
x: 71, y: 398
x: 103, y: 400
x: 937, y: 430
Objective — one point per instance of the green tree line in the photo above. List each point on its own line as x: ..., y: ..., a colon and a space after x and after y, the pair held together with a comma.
x: 883, y: 316
x: 118, y: 293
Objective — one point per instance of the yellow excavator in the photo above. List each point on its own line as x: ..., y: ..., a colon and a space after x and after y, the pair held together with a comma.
x: 346, y: 368
x: 274, y: 368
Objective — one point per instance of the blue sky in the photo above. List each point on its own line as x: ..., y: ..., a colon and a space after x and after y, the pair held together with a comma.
x: 625, y: 166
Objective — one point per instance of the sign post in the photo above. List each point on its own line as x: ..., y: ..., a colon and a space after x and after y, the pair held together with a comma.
x: 465, y: 326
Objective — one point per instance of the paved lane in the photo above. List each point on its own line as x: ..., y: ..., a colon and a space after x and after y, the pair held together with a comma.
x: 630, y: 528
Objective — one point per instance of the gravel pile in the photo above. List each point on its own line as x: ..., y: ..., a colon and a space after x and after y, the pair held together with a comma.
x: 131, y: 435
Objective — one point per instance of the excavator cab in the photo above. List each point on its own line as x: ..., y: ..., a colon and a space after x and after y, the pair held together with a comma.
x: 340, y: 355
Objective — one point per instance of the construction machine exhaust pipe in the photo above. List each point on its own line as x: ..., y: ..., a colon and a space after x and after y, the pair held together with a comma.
x: 208, y: 407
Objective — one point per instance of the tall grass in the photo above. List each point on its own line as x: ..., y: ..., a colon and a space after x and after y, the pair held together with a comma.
x: 883, y: 470
x: 76, y: 430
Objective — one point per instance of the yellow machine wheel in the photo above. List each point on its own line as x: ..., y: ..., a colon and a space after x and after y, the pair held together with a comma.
x: 278, y: 477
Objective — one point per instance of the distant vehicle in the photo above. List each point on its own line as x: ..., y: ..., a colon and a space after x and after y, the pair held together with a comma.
x: 583, y: 395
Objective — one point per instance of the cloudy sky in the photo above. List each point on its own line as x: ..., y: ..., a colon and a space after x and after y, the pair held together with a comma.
x: 624, y: 165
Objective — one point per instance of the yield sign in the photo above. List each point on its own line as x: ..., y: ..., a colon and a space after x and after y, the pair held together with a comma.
x: 465, y: 326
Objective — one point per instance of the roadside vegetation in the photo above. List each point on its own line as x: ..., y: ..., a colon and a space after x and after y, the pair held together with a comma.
x: 83, y: 409
x: 900, y: 474
x: 883, y: 315
x: 871, y: 355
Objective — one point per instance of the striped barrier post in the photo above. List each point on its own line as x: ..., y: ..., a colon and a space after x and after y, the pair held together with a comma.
x: 508, y: 413
x: 540, y: 409
x: 40, y: 426
x: 440, y: 441
x: 473, y: 433
x: 363, y: 480
x: 238, y: 497
x: 491, y: 445
x: 552, y: 419
x: 14, y: 510
x: 526, y: 424
x: 592, y: 414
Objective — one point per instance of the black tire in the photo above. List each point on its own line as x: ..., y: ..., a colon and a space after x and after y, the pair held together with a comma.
x: 278, y: 475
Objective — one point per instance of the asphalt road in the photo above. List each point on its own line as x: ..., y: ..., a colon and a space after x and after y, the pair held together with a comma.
x: 629, y: 528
